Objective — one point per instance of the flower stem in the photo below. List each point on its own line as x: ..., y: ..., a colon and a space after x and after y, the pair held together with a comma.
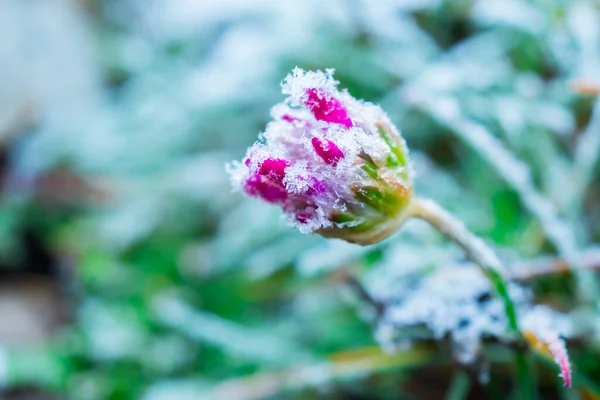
x: 474, y: 247
x: 490, y: 265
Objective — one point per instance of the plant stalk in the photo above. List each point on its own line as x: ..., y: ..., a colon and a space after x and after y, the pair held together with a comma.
x: 475, y: 249
x: 478, y: 252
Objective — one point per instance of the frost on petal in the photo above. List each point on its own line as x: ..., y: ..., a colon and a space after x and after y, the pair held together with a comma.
x: 289, y: 118
x: 327, y: 150
x: 261, y: 186
x: 273, y: 168
x: 304, y: 217
x: 313, y: 159
x: 316, y: 187
x: 267, y: 180
x: 327, y: 108
x: 297, y: 116
x: 317, y: 90
x: 299, y: 81
x: 296, y: 120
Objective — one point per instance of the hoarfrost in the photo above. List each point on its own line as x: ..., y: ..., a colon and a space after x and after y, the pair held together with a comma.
x: 458, y: 304
x: 321, y: 153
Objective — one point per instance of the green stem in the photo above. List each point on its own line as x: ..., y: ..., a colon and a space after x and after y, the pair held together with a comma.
x: 490, y: 265
x: 474, y: 248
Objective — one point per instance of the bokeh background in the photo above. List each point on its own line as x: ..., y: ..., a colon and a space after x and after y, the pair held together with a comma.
x: 129, y: 269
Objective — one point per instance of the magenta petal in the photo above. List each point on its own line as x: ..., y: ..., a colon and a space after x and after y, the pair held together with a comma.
x: 295, y: 120
x: 316, y: 187
x: 304, y: 217
x: 327, y: 108
x: 289, y: 118
x: 261, y: 186
x: 327, y: 150
x: 273, y: 168
x: 267, y: 183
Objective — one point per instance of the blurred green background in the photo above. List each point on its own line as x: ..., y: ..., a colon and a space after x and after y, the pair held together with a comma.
x: 131, y: 271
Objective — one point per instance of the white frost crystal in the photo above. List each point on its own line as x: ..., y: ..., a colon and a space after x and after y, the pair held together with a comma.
x: 457, y: 304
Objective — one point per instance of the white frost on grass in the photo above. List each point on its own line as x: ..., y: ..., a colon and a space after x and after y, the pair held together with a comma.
x: 518, y: 176
x: 454, y: 303
x: 458, y: 304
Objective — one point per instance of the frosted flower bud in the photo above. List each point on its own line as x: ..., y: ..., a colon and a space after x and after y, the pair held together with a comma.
x: 336, y: 165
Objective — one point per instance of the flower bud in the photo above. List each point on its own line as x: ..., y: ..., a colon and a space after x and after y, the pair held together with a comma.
x: 336, y: 165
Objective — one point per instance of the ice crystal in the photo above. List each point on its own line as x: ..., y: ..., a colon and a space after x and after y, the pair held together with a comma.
x: 454, y: 303
x: 336, y: 165
x: 458, y: 304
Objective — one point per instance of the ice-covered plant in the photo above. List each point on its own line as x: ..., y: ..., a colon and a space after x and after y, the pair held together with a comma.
x: 464, y: 311
x: 338, y: 167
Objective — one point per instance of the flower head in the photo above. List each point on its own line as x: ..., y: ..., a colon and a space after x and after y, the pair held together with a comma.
x: 336, y: 165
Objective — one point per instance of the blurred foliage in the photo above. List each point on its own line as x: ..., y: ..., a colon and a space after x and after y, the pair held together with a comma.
x: 116, y: 120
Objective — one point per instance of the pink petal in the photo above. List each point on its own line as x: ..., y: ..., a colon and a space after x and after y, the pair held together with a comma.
x: 327, y: 108
x: 327, y: 150
x: 273, y: 168
x: 267, y: 183
x: 295, y: 120
x: 304, y: 217
x: 289, y: 118
x: 265, y: 188
x: 316, y: 187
